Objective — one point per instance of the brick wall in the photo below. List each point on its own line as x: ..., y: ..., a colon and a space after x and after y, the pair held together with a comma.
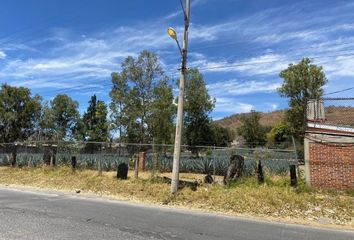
x: 331, y: 165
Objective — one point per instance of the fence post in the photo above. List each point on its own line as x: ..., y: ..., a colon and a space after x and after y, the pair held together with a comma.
x: 73, y: 163
x: 260, y: 174
x: 99, y: 166
x: 214, y: 159
x: 14, y: 155
x: 296, y: 156
x: 51, y: 163
x: 153, y: 163
x: 29, y: 164
x: 293, y: 178
x: 136, y: 167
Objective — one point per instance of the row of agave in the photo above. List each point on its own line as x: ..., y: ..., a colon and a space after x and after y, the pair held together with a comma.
x: 277, y: 162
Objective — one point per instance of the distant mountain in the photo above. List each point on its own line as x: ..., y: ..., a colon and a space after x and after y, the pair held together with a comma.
x: 334, y: 115
x: 267, y: 119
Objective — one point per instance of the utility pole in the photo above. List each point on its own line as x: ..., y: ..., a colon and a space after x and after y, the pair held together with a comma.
x: 179, y: 123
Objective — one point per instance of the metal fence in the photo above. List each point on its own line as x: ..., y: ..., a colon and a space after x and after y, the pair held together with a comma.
x: 336, y: 112
x: 159, y: 158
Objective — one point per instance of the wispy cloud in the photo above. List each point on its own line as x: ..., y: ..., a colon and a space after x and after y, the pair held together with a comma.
x: 229, y: 105
x: 236, y: 87
x: 256, y: 46
x: 261, y: 65
x: 2, y: 55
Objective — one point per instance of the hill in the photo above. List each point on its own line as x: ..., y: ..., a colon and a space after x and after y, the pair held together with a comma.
x: 267, y: 119
x: 337, y: 115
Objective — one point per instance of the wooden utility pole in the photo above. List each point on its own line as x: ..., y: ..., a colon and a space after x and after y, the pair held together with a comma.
x: 179, y: 123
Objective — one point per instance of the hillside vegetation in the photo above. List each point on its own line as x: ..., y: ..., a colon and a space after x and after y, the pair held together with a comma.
x: 334, y: 115
x: 267, y: 119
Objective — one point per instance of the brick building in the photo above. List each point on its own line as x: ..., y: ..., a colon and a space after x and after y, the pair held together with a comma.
x: 329, y: 154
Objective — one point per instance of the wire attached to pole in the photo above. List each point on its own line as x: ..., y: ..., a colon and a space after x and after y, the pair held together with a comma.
x: 184, y: 10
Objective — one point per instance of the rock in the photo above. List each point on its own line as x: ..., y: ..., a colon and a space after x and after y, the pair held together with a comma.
x: 235, y: 168
x: 208, y: 179
x: 122, y: 171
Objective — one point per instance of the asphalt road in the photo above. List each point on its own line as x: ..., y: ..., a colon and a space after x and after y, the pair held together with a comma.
x: 36, y: 215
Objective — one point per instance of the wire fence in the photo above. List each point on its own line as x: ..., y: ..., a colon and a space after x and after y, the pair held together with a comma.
x: 150, y: 157
x: 337, y: 113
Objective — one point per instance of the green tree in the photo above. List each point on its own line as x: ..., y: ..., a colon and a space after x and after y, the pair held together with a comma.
x: 279, y: 133
x: 162, y: 113
x: 19, y: 113
x: 251, y: 130
x: 222, y: 137
x: 119, y: 102
x: 61, y: 116
x: 133, y: 96
x: 198, y: 105
x: 95, y: 121
x: 302, y: 82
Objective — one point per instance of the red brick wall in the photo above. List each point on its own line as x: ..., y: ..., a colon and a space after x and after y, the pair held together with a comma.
x: 332, y: 166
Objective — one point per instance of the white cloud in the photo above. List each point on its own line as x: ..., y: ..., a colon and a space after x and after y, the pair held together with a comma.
x: 2, y: 55
x: 235, y: 87
x: 268, y: 64
x: 274, y: 106
x: 229, y: 105
x: 339, y: 67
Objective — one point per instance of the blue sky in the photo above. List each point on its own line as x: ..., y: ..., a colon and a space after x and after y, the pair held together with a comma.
x: 240, y: 46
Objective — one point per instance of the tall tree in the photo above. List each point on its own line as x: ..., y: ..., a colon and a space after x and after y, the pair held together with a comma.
x: 62, y: 116
x: 302, y: 82
x: 119, y: 102
x: 198, y: 105
x: 252, y: 131
x: 19, y: 113
x: 162, y: 113
x: 95, y: 121
x: 133, y: 95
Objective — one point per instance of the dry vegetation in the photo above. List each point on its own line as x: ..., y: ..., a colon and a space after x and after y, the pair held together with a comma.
x: 273, y: 200
x: 267, y: 119
x: 334, y: 115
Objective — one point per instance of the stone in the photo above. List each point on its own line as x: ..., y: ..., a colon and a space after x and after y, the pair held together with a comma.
x: 208, y: 179
x: 122, y: 171
x: 235, y: 168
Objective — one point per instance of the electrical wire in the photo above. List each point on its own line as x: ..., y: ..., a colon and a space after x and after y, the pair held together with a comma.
x: 339, y: 91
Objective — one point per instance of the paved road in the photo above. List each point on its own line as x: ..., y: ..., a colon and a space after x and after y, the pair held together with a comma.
x: 35, y: 215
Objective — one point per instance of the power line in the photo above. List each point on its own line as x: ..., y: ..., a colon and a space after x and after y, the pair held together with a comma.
x: 339, y: 91
x: 85, y: 87
x: 266, y: 51
x: 265, y: 62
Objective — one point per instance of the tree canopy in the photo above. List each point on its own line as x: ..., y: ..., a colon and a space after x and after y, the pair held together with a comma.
x: 252, y: 131
x: 95, y: 121
x: 61, y: 116
x: 302, y: 82
x: 19, y: 113
x: 198, y: 105
x: 141, y: 99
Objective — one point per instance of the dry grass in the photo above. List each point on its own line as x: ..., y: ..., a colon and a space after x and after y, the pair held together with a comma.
x: 275, y: 199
